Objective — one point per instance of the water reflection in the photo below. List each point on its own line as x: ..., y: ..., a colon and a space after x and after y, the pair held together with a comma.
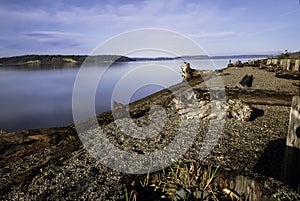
x: 37, y: 97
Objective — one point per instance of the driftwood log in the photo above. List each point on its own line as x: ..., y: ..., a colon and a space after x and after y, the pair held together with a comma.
x: 291, y: 174
x: 252, y: 96
x: 202, y: 109
x: 294, y: 75
x: 188, y: 73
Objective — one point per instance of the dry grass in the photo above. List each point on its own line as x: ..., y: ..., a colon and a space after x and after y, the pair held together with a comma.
x: 185, y: 181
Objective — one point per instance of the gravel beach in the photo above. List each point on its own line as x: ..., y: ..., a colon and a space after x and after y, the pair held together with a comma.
x: 263, y: 79
x: 53, y: 164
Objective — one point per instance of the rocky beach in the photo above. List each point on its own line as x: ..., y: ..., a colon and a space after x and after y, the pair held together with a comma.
x: 52, y: 163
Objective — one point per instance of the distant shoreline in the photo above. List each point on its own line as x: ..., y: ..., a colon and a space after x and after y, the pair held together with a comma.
x: 35, y: 60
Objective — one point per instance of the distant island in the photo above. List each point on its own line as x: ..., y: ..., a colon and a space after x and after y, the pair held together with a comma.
x: 201, y: 57
x: 60, y: 59
x: 79, y: 59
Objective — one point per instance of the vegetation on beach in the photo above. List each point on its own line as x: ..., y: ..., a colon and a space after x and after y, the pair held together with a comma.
x: 288, y: 55
x: 284, y: 55
x: 183, y: 181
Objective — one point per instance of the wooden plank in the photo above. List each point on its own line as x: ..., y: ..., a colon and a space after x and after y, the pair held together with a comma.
x: 291, y: 171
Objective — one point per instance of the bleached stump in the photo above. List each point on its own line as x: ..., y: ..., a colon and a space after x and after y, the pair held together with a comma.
x: 291, y: 171
x: 283, y: 64
x: 188, y: 73
x: 190, y: 107
x: 288, y: 65
x: 297, y: 64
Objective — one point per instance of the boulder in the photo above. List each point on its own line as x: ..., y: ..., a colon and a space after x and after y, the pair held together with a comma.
x: 247, y: 81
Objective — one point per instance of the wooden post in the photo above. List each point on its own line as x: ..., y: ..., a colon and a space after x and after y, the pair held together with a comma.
x: 297, y: 64
x: 288, y: 64
x: 291, y: 170
x: 283, y: 64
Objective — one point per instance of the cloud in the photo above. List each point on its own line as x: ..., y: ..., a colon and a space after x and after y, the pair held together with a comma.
x: 217, y: 35
x: 42, y: 25
x: 50, y: 35
x: 87, y: 25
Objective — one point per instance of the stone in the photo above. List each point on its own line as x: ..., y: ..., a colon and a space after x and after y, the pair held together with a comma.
x: 238, y: 110
x: 247, y: 81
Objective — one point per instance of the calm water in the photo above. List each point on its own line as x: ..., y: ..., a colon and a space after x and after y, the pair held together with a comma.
x: 42, y: 97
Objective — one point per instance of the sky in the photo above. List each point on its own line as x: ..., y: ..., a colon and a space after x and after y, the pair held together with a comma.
x: 220, y: 27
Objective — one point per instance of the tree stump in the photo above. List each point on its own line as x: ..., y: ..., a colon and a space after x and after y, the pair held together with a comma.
x: 291, y: 170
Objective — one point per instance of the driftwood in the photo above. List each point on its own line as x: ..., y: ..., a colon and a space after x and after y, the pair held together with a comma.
x: 252, y: 96
x: 291, y: 174
x: 188, y: 73
x: 294, y: 75
x: 239, y: 63
x: 191, y: 107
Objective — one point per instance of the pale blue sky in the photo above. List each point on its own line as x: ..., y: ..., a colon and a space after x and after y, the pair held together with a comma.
x: 220, y: 27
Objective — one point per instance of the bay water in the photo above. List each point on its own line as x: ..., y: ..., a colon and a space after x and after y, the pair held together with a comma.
x: 41, y: 96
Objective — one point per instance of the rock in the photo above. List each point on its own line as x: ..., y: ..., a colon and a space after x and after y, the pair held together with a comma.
x: 181, y: 194
x: 238, y: 110
x: 52, y: 164
x: 247, y: 81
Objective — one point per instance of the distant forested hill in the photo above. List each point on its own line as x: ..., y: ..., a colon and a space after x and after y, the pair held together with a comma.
x: 295, y: 55
x: 60, y: 59
x: 289, y: 55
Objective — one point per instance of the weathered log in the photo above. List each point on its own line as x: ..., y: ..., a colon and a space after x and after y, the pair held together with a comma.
x: 239, y: 63
x: 191, y: 107
x: 17, y: 145
x: 252, y: 96
x: 294, y: 75
x: 291, y: 174
x: 188, y: 73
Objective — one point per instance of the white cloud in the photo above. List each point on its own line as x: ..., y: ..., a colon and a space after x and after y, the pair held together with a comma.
x: 91, y: 23
x: 50, y: 35
x: 217, y: 35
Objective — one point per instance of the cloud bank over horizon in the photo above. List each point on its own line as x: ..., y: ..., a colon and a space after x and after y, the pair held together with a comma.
x: 218, y: 26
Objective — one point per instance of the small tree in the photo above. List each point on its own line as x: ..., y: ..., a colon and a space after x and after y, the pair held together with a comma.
x: 284, y: 55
